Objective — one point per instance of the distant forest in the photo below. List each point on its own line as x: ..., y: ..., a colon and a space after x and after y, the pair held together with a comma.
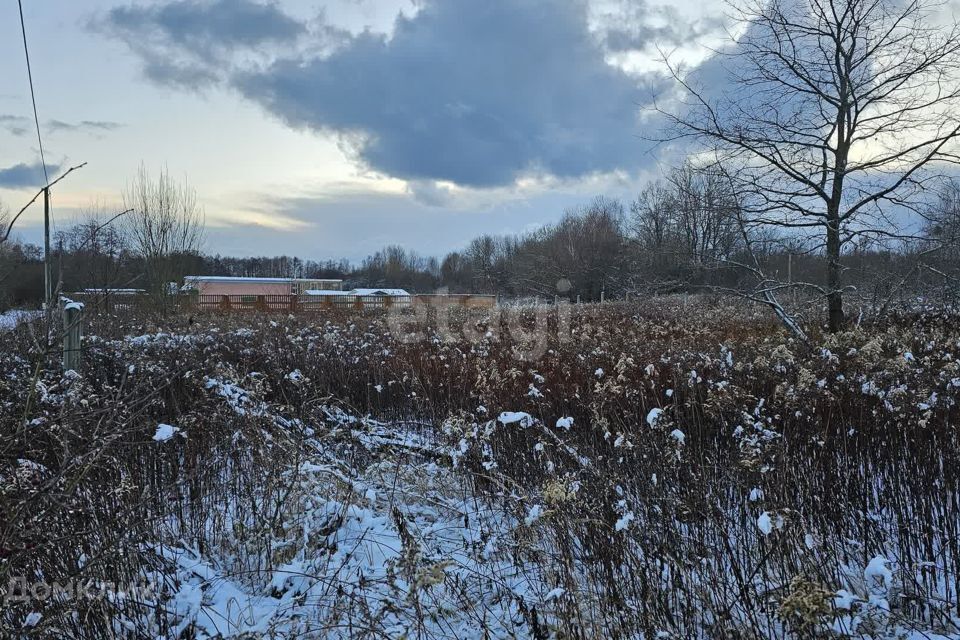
x: 681, y: 234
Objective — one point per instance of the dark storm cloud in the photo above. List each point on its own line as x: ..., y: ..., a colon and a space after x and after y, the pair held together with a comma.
x: 188, y: 43
x: 206, y: 26
x: 24, y: 175
x: 478, y: 93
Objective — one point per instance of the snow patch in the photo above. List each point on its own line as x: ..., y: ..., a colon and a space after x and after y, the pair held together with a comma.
x: 653, y: 416
x: 165, y: 432
x: 512, y: 417
x: 878, y: 575
x: 534, y: 514
x: 767, y: 522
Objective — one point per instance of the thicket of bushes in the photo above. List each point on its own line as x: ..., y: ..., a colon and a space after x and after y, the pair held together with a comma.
x: 676, y: 469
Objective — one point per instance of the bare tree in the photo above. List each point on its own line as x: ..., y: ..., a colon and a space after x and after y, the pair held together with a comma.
x: 96, y: 247
x: 483, y: 254
x: 165, y: 224
x: 842, y: 114
x: 653, y: 216
x: 943, y: 223
x: 706, y: 214
x: 685, y: 226
x: 938, y: 254
x: 586, y: 248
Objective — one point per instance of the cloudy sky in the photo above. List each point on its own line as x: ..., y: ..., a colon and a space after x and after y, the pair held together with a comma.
x: 329, y: 129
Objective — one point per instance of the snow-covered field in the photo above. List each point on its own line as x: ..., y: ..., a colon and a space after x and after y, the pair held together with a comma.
x: 654, y: 474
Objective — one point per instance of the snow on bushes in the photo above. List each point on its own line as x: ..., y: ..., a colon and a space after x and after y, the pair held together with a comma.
x: 339, y: 482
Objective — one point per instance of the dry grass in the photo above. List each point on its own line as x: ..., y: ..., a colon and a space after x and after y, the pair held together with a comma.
x: 705, y: 417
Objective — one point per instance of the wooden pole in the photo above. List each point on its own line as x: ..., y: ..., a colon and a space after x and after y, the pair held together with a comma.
x: 47, y: 266
x: 59, y: 286
x: 72, y: 335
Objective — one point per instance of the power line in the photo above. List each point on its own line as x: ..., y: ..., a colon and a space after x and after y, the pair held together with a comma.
x: 47, y: 273
x: 33, y: 96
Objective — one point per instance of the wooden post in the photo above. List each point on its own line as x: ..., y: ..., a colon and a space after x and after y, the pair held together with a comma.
x: 578, y: 298
x: 47, y: 266
x: 72, y: 335
x: 293, y: 302
x: 602, y: 295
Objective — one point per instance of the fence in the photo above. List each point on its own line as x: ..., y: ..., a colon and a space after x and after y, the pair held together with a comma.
x: 468, y: 300
x: 109, y: 302
x: 290, y: 303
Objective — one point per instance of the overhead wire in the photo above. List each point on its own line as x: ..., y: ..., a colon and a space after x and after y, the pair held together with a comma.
x: 33, y: 95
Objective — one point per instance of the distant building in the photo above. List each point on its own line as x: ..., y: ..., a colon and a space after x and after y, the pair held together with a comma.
x: 236, y: 286
x: 325, y: 292
x: 393, y: 293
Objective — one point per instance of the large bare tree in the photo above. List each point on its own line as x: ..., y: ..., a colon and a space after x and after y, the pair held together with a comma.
x: 841, y: 114
x: 165, y: 225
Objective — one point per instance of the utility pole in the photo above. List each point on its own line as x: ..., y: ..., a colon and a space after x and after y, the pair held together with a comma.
x: 47, y: 266
x: 59, y: 286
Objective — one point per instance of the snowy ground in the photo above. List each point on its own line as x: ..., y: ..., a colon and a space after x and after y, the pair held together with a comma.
x: 394, y: 549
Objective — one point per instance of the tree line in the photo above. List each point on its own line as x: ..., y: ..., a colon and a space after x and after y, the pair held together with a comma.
x: 681, y: 233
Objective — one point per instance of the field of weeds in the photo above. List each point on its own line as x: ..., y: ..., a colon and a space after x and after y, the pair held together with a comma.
x: 671, y: 469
